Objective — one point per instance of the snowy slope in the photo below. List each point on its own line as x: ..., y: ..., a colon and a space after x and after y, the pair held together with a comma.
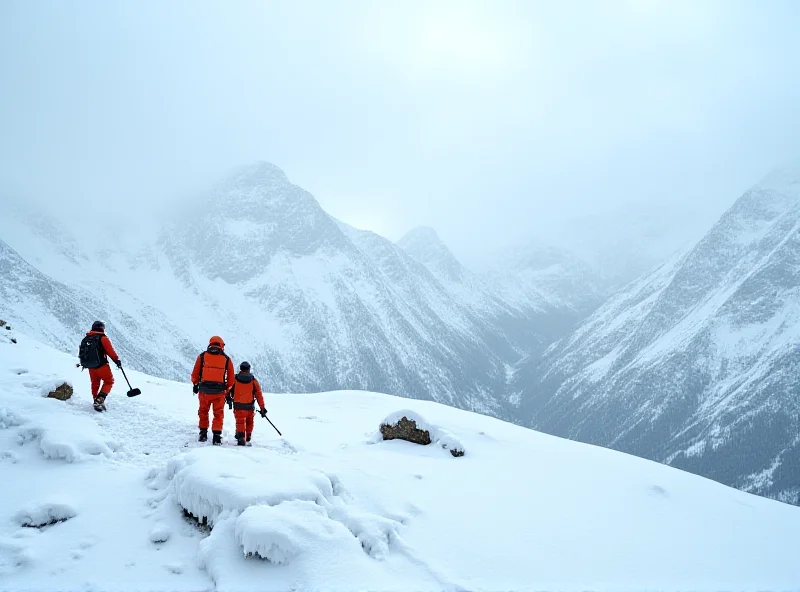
x: 696, y: 363
x: 556, y: 275
x: 526, y: 317
x: 330, y: 506
x: 60, y: 315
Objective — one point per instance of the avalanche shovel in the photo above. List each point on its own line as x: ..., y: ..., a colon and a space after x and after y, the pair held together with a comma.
x: 133, y: 392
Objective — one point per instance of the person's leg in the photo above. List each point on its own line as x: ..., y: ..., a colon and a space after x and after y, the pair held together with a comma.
x: 241, y: 425
x: 218, y: 405
x: 104, y: 372
x: 249, y: 429
x: 94, y: 377
x: 202, y: 412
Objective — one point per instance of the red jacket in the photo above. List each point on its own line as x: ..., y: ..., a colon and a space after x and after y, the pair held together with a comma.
x: 105, y: 343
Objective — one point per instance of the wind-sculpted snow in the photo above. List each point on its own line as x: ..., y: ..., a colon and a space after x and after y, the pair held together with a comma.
x: 694, y: 364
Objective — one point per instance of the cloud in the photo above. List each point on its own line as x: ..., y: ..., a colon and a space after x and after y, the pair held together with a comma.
x: 490, y: 121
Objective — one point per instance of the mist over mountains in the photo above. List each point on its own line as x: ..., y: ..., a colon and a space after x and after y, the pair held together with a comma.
x: 314, y: 304
x: 691, y: 364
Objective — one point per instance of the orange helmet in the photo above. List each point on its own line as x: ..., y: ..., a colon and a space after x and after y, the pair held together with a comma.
x: 217, y: 340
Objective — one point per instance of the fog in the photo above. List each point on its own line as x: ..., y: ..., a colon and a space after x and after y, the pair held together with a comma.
x: 604, y: 126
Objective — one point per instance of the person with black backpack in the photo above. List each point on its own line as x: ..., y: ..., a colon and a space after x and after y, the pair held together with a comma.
x: 94, y: 351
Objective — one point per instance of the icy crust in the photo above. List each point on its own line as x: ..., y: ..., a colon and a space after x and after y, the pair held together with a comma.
x: 207, y: 483
x: 77, y: 441
x: 42, y: 515
x: 439, y: 436
x: 282, y: 532
x: 282, y: 509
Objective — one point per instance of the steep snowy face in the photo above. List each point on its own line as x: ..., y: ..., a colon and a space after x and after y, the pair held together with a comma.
x: 424, y: 245
x: 234, y: 231
x: 524, y: 316
x: 60, y: 315
x: 696, y: 363
x: 550, y: 274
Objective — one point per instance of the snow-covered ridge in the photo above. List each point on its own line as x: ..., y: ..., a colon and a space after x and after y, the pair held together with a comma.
x: 327, y: 506
x: 693, y: 364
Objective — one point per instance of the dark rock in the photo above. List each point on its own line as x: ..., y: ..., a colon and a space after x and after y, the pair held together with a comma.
x: 456, y: 452
x: 200, y: 523
x: 62, y: 393
x: 405, y: 429
x: 2, y: 323
x: 13, y: 340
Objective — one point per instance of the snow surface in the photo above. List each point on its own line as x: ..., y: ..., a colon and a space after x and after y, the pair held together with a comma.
x: 329, y: 507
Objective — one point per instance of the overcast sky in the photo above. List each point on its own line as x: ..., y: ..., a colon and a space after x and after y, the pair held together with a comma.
x: 491, y: 121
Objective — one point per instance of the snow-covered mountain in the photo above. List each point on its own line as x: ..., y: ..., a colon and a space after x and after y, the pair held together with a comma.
x: 530, y: 313
x: 695, y: 364
x: 332, y: 506
x: 560, y: 278
x: 314, y: 304
x: 61, y: 314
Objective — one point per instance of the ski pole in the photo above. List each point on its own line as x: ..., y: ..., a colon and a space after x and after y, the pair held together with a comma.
x: 272, y: 424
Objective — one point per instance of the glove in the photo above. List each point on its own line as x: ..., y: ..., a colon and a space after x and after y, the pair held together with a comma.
x: 118, y: 363
x: 229, y: 400
x: 196, y: 389
x: 263, y: 412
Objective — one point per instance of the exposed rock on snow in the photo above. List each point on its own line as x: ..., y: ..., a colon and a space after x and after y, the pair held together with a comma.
x: 410, y: 426
x: 405, y: 429
x: 61, y: 392
x: 45, y: 515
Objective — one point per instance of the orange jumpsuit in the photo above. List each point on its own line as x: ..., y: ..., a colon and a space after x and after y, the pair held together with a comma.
x: 214, y: 373
x: 246, y: 391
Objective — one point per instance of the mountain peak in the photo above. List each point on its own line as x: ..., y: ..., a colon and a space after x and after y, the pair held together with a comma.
x: 424, y: 245
x: 259, y: 169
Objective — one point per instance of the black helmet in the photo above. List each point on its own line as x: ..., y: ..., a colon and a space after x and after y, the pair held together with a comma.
x: 98, y: 326
x: 244, y: 366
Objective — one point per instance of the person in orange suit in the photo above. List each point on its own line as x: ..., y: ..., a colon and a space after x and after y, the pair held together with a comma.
x: 95, y: 349
x: 242, y: 398
x: 212, y: 377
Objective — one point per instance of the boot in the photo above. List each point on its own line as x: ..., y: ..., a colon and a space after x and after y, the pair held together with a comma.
x: 100, y: 402
x: 217, y: 439
x: 239, y: 438
x: 248, y: 441
x: 203, y: 435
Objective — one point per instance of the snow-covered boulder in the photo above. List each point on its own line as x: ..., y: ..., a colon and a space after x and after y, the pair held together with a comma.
x: 41, y: 515
x: 411, y: 426
x: 280, y: 533
x: 208, y: 482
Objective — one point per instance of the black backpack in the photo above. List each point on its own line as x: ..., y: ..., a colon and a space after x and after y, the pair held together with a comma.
x: 91, y: 352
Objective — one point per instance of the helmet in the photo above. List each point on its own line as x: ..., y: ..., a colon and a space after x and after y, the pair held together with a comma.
x: 244, y: 366
x: 98, y: 326
x: 216, y: 340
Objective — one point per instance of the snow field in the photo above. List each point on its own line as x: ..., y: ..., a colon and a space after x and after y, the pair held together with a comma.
x: 330, y: 507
